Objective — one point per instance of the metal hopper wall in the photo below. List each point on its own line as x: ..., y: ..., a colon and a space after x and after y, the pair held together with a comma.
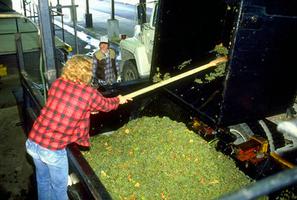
x: 261, y: 39
x: 261, y: 79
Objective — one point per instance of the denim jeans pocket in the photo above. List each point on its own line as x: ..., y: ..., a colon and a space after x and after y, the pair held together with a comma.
x: 55, y: 158
x: 31, y: 149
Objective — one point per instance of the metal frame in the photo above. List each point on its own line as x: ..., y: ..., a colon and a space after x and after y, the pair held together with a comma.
x: 48, y: 43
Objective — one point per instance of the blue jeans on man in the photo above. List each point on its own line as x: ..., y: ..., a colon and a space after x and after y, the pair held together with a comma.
x: 51, y: 171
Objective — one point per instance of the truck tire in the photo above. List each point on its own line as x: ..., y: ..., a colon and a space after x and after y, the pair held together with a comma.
x: 130, y: 71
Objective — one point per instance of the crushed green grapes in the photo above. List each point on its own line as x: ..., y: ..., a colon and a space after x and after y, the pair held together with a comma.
x: 219, y: 71
x: 157, y: 158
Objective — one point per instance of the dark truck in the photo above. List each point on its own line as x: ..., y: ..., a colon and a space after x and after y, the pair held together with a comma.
x: 259, y: 80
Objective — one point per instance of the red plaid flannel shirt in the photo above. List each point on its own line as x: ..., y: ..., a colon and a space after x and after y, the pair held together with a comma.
x: 65, y: 117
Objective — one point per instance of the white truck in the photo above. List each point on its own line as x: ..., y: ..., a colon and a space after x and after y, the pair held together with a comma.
x: 137, y: 51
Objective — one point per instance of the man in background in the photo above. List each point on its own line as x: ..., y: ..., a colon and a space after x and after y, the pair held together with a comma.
x: 104, y: 63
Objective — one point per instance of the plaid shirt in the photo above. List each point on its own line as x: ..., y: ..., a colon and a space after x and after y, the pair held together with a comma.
x: 65, y: 117
x: 110, y: 76
x: 106, y: 61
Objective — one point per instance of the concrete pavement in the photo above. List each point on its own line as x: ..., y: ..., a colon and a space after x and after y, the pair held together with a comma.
x: 88, y: 38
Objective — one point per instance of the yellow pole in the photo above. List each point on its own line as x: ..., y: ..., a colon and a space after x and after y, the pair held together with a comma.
x: 281, y: 160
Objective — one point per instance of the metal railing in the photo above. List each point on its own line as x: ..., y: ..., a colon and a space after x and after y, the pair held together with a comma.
x: 30, y: 10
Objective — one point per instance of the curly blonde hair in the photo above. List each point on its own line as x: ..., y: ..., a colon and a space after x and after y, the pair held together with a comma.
x: 78, y: 69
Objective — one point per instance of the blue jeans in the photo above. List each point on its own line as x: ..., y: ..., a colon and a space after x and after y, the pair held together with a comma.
x: 51, y: 171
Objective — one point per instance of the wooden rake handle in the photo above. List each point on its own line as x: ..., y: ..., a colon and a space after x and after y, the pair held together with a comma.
x: 176, y: 78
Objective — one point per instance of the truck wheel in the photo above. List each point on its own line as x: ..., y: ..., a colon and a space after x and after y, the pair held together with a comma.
x: 130, y: 71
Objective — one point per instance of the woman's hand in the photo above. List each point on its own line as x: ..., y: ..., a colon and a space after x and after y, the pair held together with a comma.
x: 124, y: 99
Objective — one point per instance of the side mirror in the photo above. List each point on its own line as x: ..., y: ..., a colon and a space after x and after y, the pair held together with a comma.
x: 141, y: 12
